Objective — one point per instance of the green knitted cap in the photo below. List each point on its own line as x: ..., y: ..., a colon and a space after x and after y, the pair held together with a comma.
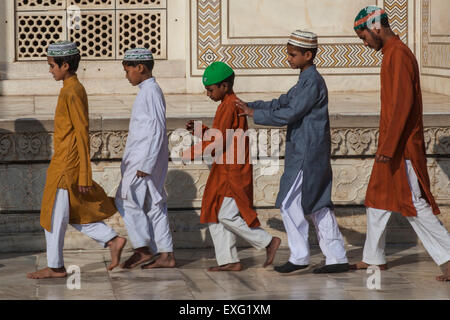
x: 216, y: 72
x: 368, y: 16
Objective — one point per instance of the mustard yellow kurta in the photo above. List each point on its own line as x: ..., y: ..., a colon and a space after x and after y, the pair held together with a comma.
x: 70, y: 166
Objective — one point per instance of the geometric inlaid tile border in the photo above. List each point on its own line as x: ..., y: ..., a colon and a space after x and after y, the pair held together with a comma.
x: 397, y: 11
x: 273, y: 56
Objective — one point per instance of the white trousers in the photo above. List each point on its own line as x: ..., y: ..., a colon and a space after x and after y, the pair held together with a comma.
x: 230, y: 225
x: 98, y: 231
x: 434, y: 236
x: 330, y: 238
x: 148, y: 225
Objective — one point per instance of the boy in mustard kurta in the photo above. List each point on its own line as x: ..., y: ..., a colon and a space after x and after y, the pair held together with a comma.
x: 70, y: 194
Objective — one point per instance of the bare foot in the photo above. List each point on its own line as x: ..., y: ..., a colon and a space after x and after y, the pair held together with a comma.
x: 271, y: 249
x: 166, y: 260
x: 115, y: 247
x: 362, y: 266
x: 48, y: 273
x: 446, y: 275
x: 139, y: 256
x: 227, y: 267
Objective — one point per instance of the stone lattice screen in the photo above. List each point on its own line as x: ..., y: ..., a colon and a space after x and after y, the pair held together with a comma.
x: 106, y: 28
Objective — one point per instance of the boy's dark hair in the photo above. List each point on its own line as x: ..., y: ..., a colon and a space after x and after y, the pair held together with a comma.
x: 304, y: 50
x: 147, y: 64
x: 229, y: 80
x: 73, y: 62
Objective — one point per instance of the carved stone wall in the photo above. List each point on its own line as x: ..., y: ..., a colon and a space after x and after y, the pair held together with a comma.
x: 25, y: 157
x: 25, y: 152
x: 21, y: 185
x: 107, y: 145
x: 435, y: 45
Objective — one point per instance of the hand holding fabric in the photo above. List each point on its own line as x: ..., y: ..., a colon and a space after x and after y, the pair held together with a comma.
x: 381, y: 158
x: 190, y: 126
x: 84, y: 189
x: 141, y: 174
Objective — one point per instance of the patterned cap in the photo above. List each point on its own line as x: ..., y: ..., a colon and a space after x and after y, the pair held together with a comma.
x: 368, y: 16
x: 62, y: 49
x: 138, y: 54
x: 303, y: 39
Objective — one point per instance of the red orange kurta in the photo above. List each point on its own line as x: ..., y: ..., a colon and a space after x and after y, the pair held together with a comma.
x: 70, y: 166
x: 401, y: 134
x: 228, y: 179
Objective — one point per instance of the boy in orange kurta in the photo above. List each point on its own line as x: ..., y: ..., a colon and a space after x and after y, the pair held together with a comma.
x: 399, y: 181
x: 70, y: 194
x: 227, y: 204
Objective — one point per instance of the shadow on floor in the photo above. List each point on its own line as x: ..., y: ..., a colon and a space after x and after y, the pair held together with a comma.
x: 186, y: 234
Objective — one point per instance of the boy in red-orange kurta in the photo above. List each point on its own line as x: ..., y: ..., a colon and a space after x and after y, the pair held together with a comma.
x: 227, y: 204
x: 399, y: 180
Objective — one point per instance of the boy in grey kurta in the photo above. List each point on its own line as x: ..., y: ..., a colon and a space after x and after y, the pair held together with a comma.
x: 305, y: 187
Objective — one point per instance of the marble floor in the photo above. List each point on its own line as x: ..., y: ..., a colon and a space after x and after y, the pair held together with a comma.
x: 194, y: 105
x: 411, y: 276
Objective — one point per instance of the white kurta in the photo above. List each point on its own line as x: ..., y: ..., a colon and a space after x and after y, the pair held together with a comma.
x: 142, y: 201
x: 147, y: 145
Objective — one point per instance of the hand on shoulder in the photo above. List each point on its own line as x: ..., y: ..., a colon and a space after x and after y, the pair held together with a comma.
x: 247, y: 111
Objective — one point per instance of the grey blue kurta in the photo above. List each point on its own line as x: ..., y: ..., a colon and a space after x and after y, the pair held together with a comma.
x: 304, y: 109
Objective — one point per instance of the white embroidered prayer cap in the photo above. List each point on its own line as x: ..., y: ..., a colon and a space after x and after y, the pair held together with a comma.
x: 303, y: 39
x: 138, y: 54
x: 62, y: 49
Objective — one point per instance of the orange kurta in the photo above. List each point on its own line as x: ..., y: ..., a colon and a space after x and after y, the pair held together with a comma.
x: 70, y: 166
x: 229, y: 179
x: 401, y: 134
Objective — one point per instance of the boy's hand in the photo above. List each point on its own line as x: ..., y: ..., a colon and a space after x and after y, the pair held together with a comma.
x: 186, y: 156
x: 141, y: 174
x: 84, y: 189
x: 247, y: 111
x: 381, y: 158
x: 190, y: 126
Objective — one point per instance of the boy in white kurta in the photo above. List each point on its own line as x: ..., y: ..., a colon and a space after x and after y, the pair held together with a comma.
x: 141, y: 198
